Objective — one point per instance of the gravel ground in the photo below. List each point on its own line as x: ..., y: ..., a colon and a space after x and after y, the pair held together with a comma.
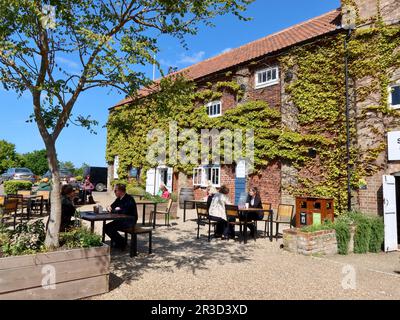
x: 183, y: 267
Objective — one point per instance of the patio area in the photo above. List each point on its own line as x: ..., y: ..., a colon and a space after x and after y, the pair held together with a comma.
x: 183, y: 267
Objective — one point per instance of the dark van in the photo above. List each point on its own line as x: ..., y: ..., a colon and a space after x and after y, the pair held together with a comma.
x: 98, y: 176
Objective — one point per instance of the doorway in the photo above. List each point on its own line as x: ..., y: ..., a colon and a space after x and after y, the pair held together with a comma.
x: 397, y: 177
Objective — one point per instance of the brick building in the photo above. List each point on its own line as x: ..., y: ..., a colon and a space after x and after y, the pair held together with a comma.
x: 255, y: 66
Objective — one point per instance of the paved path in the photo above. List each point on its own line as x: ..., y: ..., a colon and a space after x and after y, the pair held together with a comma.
x: 183, y: 267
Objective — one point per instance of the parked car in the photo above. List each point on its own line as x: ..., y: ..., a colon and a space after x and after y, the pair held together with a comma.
x: 18, y: 174
x: 65, y: 175
x: 98, y: 176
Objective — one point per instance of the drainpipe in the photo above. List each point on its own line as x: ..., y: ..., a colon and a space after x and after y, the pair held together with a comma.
x: 348, y: 119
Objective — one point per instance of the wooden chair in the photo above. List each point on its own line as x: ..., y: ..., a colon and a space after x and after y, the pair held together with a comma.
x: 10, y: 208
x: 203, y: 218
x: 2, y: 200
x: 266, y: 206
x: 134, y: 231
x: 45, y: 200
x: 284, y: 216
x: 20, y: 200
x: 24, y: 192
x: 232, y: 214
x: 166, y: 213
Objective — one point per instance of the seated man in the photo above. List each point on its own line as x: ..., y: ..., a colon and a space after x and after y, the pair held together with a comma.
x: 124, y: 204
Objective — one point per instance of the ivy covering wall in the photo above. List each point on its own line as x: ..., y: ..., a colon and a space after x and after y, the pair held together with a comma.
x: 317, y: 90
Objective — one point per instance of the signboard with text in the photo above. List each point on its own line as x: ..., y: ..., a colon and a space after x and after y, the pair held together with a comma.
x: 394, y: 145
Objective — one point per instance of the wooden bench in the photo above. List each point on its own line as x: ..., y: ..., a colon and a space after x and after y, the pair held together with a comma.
x: 134, y: 231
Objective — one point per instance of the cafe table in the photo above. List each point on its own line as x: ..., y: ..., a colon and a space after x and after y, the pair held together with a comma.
x: 144, y: 203
x: 245, y: 211
x: 195, y: 202
x: 93, y: 217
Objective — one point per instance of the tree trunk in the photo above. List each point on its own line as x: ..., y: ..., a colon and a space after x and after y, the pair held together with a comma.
x: 52, y: 234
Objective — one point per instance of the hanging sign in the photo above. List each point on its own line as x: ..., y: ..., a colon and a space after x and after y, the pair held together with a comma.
x: 394, y: 145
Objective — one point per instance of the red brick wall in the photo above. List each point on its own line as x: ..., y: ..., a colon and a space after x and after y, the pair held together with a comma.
x: 269, y: 184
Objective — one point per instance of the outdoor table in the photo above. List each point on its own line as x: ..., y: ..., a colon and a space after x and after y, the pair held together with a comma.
x: 93, y: 217
x: 270, y: 218
x: 148, y: 202
x: 190, y: 201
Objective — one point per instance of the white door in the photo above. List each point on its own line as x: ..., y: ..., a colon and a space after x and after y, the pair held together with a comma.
x: 116, y: 166
x: 150, y: 183
x: 389, y: 213
x: 169, y: 179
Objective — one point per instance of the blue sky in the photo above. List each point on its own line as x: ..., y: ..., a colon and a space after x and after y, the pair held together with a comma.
x: 78, y: 145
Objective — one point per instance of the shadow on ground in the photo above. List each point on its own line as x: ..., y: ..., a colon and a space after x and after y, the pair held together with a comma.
x: 173, y: 250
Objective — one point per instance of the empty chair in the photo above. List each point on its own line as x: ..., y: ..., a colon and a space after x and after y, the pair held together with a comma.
x: 24, y: 192
x: 10, y: 209
x: 203, y: 219
x: 166, y: 213
x: 283, y: 216
x: 45, y: 200
x: 266, y: 206
x: 134, y: 231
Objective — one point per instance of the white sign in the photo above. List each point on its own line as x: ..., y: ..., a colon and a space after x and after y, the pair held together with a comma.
x: 241, y: 169
x: 116, y: 166
x: 394, y: 145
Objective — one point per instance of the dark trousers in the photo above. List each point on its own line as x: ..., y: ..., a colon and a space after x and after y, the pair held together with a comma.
x: 112, y: 228
x: 223, y: 227
x: 252, y: 216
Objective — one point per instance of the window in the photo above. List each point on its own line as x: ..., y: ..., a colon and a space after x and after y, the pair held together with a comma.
x: 214, y: 109
x: 202, y: 175
x: 394, y: 96
x: 267, y: 77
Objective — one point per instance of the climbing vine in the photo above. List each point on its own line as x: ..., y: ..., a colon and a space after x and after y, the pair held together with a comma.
x: 316, y: 90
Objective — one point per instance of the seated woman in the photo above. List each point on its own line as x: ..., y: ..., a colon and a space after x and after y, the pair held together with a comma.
x: 217, y: 211
x: 254, y: 201
x: 67, y: 207
x: 163, y: 192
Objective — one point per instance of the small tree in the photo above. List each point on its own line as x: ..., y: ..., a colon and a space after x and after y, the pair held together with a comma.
x: 109, y: 39
x: 8, y: 156
x: 36, y: 161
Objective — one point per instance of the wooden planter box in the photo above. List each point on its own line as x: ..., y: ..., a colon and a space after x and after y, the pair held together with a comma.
x: 79, y: 273
x: 310, y: 243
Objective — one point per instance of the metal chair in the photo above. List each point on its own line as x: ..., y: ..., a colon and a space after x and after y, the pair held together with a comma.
x: 284, y: 216
x: 45, y: 199
x: 266, y: 206
x: 10, y: 208
x: 203, y: 218
x: 134, y: 231
x: 166, y: 213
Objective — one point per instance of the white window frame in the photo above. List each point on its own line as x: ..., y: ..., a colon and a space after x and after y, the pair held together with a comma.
x: 396, y: 106
x: 267, y: 83
x: 200, y: 176
x: 214, y: 103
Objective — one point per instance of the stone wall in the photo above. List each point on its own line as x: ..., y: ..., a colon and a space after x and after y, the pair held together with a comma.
x: 313, y: 243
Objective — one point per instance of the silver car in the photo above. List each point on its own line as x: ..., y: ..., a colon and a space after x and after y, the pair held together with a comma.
x: 17, y: 174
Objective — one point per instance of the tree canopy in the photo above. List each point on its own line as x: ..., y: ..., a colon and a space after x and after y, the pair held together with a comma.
x: 109, y: 39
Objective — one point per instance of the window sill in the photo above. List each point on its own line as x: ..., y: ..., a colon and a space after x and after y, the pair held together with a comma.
x: 215, y: 116
x: 264, y: 85
x: 396, y: 106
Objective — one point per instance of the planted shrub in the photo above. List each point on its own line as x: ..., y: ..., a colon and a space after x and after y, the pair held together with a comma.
x: 79, y: 178
x: 80, y: 238
x: 342, y: 229
x: 377, y: 235
x: 12, y: 186
x: 362, y: 235
x: 27, y: 238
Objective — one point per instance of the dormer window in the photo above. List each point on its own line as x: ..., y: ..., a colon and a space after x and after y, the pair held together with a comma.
x: 267, y: 77
x: 214, y: 109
